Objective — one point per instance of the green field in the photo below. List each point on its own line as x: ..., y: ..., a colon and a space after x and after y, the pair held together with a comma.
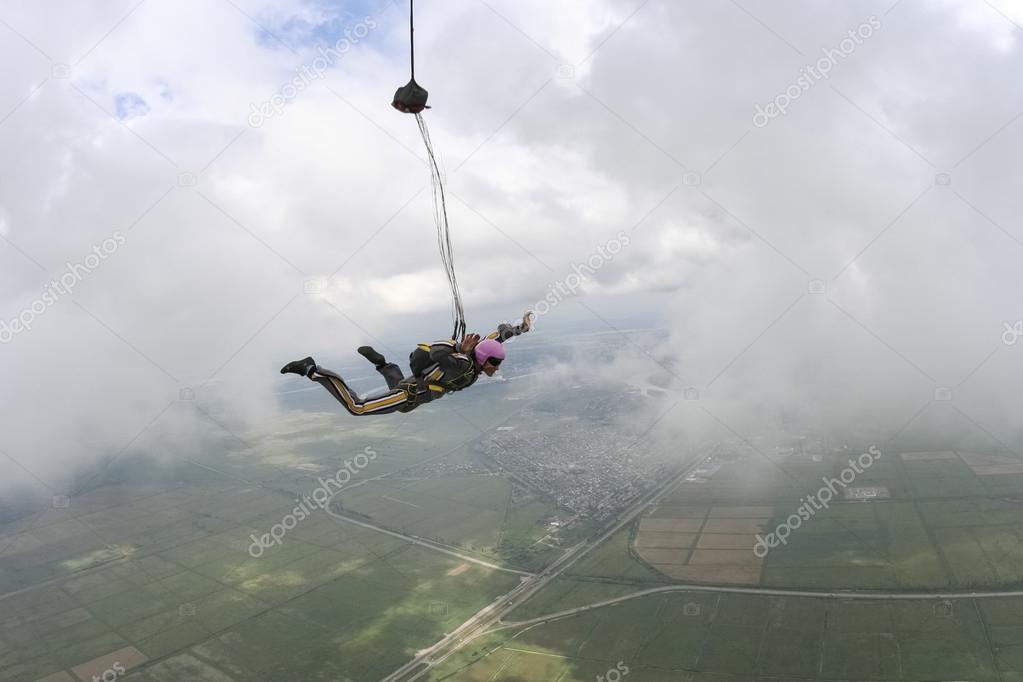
x: 155, y: 561
x: 733, y: 638
x: 944, y: 527
x: 475, y: 513
x: 158, y: 559
x: 347, y: 593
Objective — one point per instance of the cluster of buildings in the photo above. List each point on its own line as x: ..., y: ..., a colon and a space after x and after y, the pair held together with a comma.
x: 588, y: 471
x: 446, y: 468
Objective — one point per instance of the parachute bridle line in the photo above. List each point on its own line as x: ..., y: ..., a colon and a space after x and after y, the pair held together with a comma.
x: 440, y: 209
x: 440, y: 219
x: 412, y: 37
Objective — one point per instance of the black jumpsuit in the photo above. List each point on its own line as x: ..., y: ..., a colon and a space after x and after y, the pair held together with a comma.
x: 437, y: 368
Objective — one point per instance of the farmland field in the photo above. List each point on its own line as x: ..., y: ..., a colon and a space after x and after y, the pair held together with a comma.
x: 731, y: 638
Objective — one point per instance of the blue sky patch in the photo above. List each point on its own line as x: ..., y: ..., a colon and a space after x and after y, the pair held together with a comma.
x: 129, y: 105
x: 332, y: 19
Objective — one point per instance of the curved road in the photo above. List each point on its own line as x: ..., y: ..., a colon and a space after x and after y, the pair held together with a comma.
x: 768, y: 592
x: 480, y: 623
x: 490, y: 618
x: 424, y: 666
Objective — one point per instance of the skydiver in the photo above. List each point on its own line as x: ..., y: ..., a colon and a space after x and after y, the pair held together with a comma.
x: 437, y: 369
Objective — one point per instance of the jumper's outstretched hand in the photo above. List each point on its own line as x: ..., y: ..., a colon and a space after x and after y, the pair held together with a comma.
x: 470, y: 342
x: 527, y: 321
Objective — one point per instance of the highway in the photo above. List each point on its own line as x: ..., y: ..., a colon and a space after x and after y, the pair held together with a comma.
x: 424, y: 666
x: 491, y: 618
x: 493, y: 613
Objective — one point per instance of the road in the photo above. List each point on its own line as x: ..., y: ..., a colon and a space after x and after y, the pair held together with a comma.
x: 424, y: 666
x: 428, y: 544
x: 834, y: 594
x: 473, y: 627
x: 480, y: 623
x: 484, y: 621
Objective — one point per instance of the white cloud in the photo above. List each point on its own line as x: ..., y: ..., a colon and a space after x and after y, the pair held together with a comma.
x: 335, y: 184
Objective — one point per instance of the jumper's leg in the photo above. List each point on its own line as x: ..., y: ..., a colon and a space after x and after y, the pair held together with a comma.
x: 391, y: 372
x: 389, y: 402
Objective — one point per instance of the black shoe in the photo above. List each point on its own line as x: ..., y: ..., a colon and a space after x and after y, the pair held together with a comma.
x: 373, y: 356
x: 304, y: 367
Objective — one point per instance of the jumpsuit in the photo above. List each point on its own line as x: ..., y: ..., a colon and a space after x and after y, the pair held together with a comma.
x: 437, y: 369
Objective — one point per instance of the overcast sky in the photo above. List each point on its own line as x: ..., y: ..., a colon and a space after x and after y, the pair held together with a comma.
x: 847, y: 258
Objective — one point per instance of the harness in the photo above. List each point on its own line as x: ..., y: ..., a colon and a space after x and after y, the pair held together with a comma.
x: 423, y: 387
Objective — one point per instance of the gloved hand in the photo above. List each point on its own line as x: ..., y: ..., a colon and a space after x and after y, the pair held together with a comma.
x: 469, y: 343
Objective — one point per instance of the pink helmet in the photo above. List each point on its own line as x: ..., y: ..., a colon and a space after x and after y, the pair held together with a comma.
x: 489, y: 350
